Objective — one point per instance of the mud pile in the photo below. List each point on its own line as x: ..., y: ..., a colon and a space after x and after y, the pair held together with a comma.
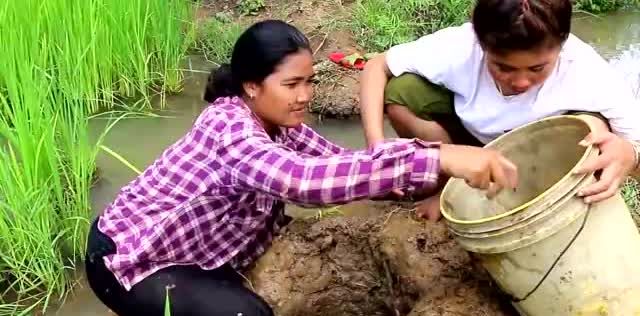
x: 336, y: 95
x: 383, y: 265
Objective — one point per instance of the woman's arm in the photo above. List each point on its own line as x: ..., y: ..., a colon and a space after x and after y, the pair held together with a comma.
x: 305, y: 140
x: 255, y: 163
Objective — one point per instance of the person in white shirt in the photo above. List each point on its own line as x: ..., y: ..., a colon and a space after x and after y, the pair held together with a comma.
x: 514, y: 63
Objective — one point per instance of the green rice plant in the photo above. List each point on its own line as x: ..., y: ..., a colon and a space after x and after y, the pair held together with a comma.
x: 216, y: 37
x: 380, y: 24
x: 107, y: 49
x: 44, y: 196
x: 167, y: 303
x: 33, y: 198
x: 62, y: 60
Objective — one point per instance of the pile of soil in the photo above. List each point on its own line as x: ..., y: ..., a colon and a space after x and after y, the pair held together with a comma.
x: 323, y: 268
x: 382, y: 265
x: 336, y: 94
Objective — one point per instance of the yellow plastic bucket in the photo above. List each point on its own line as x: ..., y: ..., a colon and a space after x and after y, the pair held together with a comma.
x: 548, y: 250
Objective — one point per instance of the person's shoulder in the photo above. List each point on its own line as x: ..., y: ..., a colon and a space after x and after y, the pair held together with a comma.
x: 584, y: 61
x: 453, y: 45
x: 456, y: 36
x: 224, y: 110
x: 581, y: 54
x: 590, y: 73
x: 226, y: 115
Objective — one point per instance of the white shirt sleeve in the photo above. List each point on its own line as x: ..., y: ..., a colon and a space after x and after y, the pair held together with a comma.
x: 619, y: 104
x: 439, y: 57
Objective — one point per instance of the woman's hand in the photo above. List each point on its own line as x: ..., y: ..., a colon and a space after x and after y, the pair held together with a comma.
x: 616, y: 161
x: 481, y: 168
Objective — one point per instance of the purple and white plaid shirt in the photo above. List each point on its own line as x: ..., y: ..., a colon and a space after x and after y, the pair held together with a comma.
x: 209, y: 198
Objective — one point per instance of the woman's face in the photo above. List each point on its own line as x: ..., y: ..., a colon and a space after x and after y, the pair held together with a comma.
x: 516, y: 72
x: 282, y: 98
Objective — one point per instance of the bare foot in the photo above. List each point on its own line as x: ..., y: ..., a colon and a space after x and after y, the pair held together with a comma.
x: 429, y: 208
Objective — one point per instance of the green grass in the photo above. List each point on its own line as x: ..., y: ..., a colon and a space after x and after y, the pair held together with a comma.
x: 250, y: 7
x: 216, y: 36
x: 380, y: 24
x: 61, y: 61
x: 603, y: 6
x: 109, y: 49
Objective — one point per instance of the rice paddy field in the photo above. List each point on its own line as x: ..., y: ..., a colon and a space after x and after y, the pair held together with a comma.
x: 62, y: 62
x: 67, y: 64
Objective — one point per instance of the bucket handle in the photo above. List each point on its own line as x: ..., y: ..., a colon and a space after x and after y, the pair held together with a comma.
x: 555, y: 262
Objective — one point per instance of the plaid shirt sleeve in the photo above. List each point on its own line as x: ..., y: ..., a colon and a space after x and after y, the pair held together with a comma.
x: 256, y: 163
x: 305, y: 140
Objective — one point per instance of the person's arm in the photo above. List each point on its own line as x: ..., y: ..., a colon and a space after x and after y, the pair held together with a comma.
x: 437, y: 57
x: 255, y: 163
x: 373, y: 81
x: 305, y: 140
x: 617, y: 158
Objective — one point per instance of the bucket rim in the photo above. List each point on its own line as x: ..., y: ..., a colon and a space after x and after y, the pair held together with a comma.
x: 588, y: 151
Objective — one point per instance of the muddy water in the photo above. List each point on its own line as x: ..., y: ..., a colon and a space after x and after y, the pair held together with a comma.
x: 617, y: 37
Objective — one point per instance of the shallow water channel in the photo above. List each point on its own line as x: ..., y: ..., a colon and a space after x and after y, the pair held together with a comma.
x: 616, y: 36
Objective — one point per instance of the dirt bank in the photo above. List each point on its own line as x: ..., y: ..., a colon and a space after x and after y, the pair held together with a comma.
x: 326, y: 25
x: 382, y: 265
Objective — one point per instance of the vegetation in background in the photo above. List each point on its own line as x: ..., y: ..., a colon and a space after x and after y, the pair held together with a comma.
x: 62, y: 60
x: 250, y: 7
x: 631, y: 194
x: 603, y: 6
x: 380, y: 24
x: 65, y: 59
x: 216, y: 37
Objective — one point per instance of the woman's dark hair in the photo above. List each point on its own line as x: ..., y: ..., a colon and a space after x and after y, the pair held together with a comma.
x: 511, y: 25
x: 256, y: 54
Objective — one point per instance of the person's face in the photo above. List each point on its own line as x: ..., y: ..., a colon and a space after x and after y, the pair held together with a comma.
x: 516, y: 72
x: 282, y: 98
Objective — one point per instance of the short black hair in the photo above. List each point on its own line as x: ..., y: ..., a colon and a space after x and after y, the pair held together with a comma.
x: 508, y: 25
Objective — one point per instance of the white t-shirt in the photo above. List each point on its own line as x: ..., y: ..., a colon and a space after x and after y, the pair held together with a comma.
x: 582, y: 81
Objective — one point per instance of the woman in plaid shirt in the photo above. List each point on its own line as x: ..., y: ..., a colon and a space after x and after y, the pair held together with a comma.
x: 210, y: 204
